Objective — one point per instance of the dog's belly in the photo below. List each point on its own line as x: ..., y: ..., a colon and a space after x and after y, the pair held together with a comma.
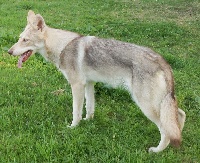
x: 114, y: 78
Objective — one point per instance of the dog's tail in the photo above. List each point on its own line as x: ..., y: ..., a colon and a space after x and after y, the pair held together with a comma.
x: 169, y: 119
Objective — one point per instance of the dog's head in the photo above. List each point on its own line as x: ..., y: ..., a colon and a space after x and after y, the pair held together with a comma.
x: 31, y: 40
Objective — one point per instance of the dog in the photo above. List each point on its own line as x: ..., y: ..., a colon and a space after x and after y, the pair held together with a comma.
x: 85, y: 60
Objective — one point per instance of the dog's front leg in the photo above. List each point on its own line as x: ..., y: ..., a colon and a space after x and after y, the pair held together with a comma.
x: 89, y: 96
x: 78, y: 91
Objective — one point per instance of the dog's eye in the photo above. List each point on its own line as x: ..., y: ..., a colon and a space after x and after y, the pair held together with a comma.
x: 25, y: 40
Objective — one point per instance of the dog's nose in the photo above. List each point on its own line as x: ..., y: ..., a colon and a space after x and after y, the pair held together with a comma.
x: 10, y: 52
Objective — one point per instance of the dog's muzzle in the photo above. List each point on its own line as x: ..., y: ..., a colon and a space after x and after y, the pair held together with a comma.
x: 10, y: 52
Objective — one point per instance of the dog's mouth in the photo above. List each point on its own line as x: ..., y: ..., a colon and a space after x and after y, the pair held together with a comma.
x: 24, y: 57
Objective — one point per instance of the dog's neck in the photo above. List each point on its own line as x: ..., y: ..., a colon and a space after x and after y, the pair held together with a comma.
x: 55, y: 41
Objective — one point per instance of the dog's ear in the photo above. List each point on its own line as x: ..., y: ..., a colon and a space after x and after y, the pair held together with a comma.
x: 36, y: 21
x: 31, y: 17
x: 40, y: 22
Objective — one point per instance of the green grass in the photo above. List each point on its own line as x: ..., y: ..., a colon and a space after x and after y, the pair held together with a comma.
x: 35, y: 101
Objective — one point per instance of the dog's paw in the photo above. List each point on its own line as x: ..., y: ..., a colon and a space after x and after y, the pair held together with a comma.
x: 88, y: 117
x: 153, y: 150
x: 73, y: 125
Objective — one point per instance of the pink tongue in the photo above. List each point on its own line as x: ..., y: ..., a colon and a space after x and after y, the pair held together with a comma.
x: 20, y: 61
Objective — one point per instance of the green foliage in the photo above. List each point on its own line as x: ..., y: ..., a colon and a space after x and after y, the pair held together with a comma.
x: 35, y: 101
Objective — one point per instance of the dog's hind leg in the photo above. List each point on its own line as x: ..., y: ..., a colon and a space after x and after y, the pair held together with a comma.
x: 172, y: 121
x: 152, y: 114
x: 78, y: 91
x: 164, y: 142
x: 90, y: 100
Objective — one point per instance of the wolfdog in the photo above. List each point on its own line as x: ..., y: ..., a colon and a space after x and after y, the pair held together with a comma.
x: 85, y: 60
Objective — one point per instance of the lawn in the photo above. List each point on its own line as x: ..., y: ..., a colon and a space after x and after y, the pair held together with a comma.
x: 36, y: 101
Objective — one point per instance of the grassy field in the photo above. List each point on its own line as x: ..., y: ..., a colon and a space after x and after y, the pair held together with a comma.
x: 36, y: 102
